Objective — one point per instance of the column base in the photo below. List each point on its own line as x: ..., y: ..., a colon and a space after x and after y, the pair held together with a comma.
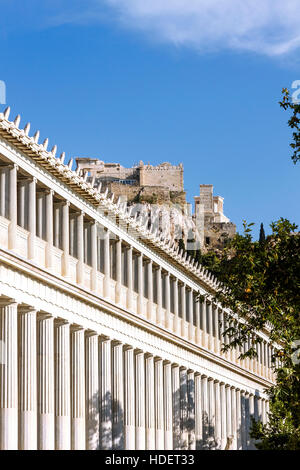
x: 28, y: 431
x: 8, y: 429
x: 63, y: 433
x: 78, y: 434
x: 46, y: 440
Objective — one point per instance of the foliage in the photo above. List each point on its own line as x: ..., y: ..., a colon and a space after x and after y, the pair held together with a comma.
x: 261, y: 282
x: 293, y: 122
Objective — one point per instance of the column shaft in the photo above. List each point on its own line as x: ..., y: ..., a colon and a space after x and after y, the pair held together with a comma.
x: 31, y: 218
x: 159, y: 404
x: 168, y: 300
x: 168, y: 406
x: 45, y: 348
x: 159, y: 296
x: 80, y: 249
x: 140, y: 433
x: 106, y: 264
x: 28, y: 380
x: 150, y: 289
x: 129, y: 277
x: 150, y: 402
x: 176, y: 407
x: 94, y: 256
x: 218, y: 416
x: 118, y: 270
x: 118, y: 396
x: 8, y: 377
x: 62, y: 386
x: 49, y: 228
x: 140, y: 308
x: 176, y: 314
x: 198, y: 411
x: 191, y: 410
x: 12, y: 228
x: 65, y: 239
x: 129, y: 399
x: 105, y: 398
x: 191, y: 315
x: 92, y: 391
x: 78, y: 440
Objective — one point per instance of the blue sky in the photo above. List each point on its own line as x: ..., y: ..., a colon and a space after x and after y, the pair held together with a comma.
x: 168, y: 80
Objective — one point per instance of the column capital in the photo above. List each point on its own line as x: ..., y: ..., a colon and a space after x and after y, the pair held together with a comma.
x: 43, y: 315
x: 166, y: 362
x: 138, y: 352
x: 4, y: 302
x: 75, y: 327
x: 127, y: 347
x: 22, y: 308
x: 60, y: 322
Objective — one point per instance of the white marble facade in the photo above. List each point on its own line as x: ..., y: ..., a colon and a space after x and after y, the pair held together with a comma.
x: 104, y: 343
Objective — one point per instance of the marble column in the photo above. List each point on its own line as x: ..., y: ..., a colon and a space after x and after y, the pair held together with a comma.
x: 118, y: 270
x: 45, y: 390
x: 12, y: 228
x: 205, y: 412
x: 168, y: 300
x: 49, y: 228
x: 94, y: 255
x: 191, y: 315
x: 92, y: 391
x: 183, y: 310
x: 129, y: 277
x: 129, y: 398
x: 140, y: 432
x: 140, y: 307
x: 21, y: 204
x: 168, y: 405
x: 247, y: 419
x: 8, y: 375
x: 28, y: 379
x: 223, y: 415
x: 159, y: 404
x: 159, y: 295
x: 39, y: 213
x: 56, y: 223
x: 238, y: 420
x: 233, y: 418
x: 107, y: 279
x: 191, y: 410
x: 204, y: 323
x: 212, y: 411
x: 117, y: 396
x: 176, y: 406
x: 65, y: 238
x: 62, y: 385
x: 198, y: 411
x: 176, y: 314
x: 198, y: 324
x: 2, y: 191
x: 77, y: 389
x: 150, y: 290
x: 210, y: 324
x: 251, y: 415
x: 218, y: 415
x: 229, y: 429
x: 105, y: 393
x: 80, y: 249
x: 243, y: 420
x: 150, y: 402
x: 217, y: 330
x: 31, y: 218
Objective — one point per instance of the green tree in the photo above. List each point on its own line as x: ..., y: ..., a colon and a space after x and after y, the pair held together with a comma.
x: 294, y: 122
x: 261, y: 282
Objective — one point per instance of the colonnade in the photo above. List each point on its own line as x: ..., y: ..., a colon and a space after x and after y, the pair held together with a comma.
x: 163, y: 298
x: 65, y: 387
